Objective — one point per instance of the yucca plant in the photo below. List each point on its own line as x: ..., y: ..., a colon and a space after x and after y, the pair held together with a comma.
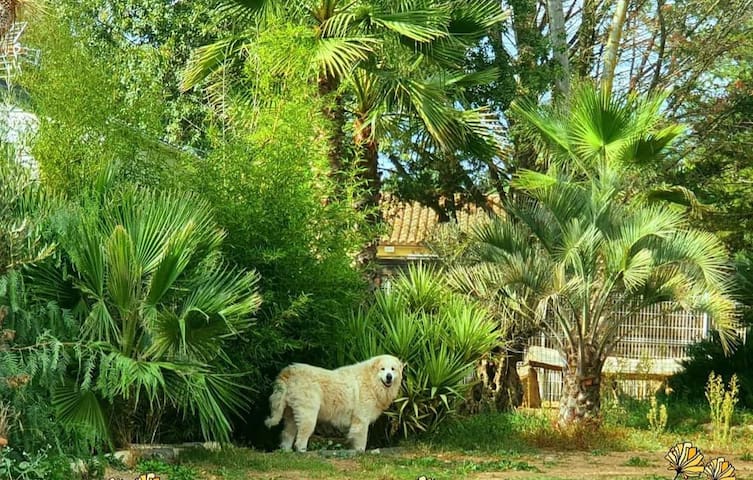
x: 143, y: 274
x: 440, y: 335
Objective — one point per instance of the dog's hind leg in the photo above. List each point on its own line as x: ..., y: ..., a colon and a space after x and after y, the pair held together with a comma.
x: 288, y: 431
x: 306, y: 423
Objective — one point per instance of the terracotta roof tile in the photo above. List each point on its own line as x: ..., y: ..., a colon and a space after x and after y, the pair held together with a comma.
x: 411, y: 223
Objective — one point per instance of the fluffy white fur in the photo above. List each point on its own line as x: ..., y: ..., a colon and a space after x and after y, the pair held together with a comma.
x: 350, y: 397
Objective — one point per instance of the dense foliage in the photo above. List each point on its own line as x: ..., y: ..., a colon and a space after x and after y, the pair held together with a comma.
x: 88, y: 123
x: 708, y: 356
x: 440, y: 336
x: 209, y: 189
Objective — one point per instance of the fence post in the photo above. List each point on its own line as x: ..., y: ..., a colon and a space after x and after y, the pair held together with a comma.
x: 705, y: 325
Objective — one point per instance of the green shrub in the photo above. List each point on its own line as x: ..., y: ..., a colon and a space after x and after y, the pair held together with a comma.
x: 40, y: 465
x: 439, y: 335
x: 707, y: 356
x: 155, y: 305
x: 25, y: 418
x: 88, y: 121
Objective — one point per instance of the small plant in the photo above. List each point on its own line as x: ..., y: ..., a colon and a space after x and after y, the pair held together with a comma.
x: 747, y: 457
x: 25, y: 466
x: 637, y: 462
x: 721, y: 404
x: 657, y: 416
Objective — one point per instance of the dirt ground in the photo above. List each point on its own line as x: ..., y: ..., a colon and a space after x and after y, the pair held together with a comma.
x: 583, y: 465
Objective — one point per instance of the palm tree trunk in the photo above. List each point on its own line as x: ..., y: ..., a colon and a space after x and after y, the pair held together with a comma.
x: 368, y: 175
x: 7, y: 15
x: 509, y: 396
x: 559, y: 45
x: 581, y: 391
x: 613, y: 46
x: 368, y: 168
x: 334, y: 111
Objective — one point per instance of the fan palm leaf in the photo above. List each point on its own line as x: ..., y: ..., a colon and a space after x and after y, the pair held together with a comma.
x: 157, y: 306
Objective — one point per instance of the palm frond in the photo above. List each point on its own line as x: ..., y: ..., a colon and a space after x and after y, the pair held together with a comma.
x: 79, y: 408
x: 249, y: 12
x: 212, y: 397
x: 172, y: 262
x: 417, y: 25
x: 339, y: 56
x: 210, y: 58
x: 123, y: 272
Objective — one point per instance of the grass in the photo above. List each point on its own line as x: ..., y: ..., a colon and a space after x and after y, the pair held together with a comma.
x: 235, y: 463
x: 506, y: 445
x: 535, y: 430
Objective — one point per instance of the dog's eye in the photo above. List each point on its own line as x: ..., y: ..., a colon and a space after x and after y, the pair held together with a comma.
x: 382, y: 368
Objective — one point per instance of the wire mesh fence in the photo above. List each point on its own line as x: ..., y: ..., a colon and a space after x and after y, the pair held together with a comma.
x: 652, y: 344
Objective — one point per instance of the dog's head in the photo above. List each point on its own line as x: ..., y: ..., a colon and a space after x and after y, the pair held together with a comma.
x: 389, y: 370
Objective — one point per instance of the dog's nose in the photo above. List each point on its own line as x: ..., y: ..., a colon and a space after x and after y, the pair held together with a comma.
x: 389, y: 377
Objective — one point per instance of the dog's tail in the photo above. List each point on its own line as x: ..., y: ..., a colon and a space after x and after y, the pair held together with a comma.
x: 277, y: 402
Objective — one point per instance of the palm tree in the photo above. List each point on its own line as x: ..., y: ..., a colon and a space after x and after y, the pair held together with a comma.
x: 155, y: 305
x: 577, y: 246
x: 484, y: 274
x: 396, y: 60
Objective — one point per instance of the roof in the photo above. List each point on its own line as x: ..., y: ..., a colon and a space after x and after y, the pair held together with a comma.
x: 410, y: 224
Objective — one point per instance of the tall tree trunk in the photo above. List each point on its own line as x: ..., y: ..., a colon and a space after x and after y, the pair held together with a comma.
x: 586, y: 39
x: 7, y: 15
x: 368, y: 174
x: 611, y: 55
x: 581, y: 391
x: 334, y: 111
x: 662, y: 45
x: 368, y: 168
x: 559, y: 45
x: 509, y: 395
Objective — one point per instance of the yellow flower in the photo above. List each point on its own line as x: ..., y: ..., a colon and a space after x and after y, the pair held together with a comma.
x: 685, y: 460
x: 719, y: 469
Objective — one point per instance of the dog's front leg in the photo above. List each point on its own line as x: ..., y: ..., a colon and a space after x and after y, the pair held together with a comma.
x: 359, y: 431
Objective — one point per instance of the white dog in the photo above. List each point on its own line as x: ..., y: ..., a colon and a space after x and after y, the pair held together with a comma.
x: 350, y: 397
